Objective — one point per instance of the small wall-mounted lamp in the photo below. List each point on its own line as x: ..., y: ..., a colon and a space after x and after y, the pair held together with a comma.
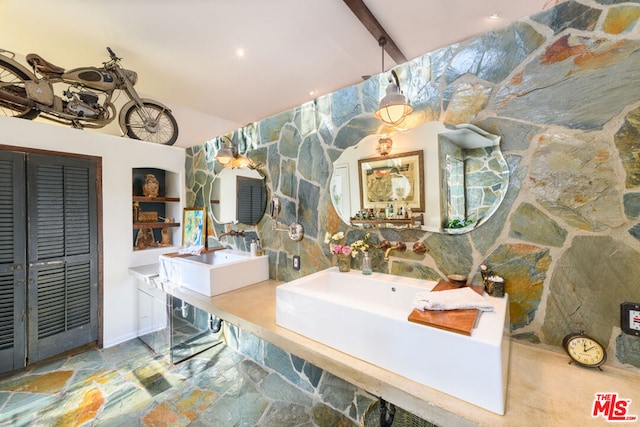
x: 227, y: 151
x: 384, y: 146
x: 394, y: 106
x: 227, y: 156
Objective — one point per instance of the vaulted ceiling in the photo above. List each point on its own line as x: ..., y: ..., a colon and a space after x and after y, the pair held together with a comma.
x: 187, y: 52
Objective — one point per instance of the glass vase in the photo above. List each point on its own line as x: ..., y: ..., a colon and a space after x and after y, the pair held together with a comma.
x: 344, y: 263
x: 366, y: 264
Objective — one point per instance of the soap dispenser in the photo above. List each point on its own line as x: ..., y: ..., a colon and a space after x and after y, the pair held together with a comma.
x: 366, y: 264
x: 253, y: 248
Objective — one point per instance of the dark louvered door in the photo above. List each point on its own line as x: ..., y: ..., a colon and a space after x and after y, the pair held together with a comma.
x: 62, y: 253
x: 13, y: 258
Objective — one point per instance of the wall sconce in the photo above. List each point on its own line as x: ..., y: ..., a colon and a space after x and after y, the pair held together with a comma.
x: 384, y: 146
x: 227, y: 151
x: 227, y: 156
x: 394, y: 106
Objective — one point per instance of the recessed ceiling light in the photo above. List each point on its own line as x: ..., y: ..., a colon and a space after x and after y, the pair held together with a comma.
x: 312, y: 93
x: 240, y: 52
x: 494, y: 16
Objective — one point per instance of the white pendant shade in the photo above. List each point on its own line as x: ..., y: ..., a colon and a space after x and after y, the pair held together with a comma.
x: 394, y: 107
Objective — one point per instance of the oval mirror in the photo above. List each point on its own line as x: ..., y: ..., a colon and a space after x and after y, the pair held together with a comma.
x: 238, y: 196
x: 436, y: 178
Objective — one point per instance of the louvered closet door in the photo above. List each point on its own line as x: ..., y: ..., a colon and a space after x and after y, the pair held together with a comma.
x: 13, y: 257
x: 63, y: 258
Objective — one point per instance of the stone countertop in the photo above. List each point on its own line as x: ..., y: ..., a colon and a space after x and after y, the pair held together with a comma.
x: 543, y: 389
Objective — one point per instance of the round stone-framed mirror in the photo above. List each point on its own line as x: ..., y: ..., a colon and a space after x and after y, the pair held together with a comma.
x: 238, y: 196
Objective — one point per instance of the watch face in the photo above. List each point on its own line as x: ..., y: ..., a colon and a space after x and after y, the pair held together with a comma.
x: 585, y: 351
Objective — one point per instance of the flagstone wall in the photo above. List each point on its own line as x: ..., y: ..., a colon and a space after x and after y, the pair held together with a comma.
x: 562, y: 89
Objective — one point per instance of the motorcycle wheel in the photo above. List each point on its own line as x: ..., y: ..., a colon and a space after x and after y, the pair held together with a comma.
x: 12, y: 80
x: 152, y: 123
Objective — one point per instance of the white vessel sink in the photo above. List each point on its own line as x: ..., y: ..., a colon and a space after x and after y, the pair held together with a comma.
x: 366, y: 317
x: 214, y: 273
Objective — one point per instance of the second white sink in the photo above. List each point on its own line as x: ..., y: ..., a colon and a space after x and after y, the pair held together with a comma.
x: 366, y: 317
x: 214, y: 273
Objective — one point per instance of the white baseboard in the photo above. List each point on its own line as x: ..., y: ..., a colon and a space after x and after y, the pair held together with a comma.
x: 118, y: 340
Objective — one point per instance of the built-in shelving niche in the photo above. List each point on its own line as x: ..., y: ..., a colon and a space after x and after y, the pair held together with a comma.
x: 165, y: 205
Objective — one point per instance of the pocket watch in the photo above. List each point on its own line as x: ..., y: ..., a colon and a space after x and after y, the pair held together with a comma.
x: 584, y: 350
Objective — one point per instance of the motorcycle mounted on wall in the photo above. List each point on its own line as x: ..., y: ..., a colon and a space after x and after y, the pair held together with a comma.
x: 87, y: 102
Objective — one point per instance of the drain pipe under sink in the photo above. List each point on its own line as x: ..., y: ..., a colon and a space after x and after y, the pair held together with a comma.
x: 215, y: 324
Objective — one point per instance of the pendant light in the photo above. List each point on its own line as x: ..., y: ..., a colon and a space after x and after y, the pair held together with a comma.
x: 394, y: 106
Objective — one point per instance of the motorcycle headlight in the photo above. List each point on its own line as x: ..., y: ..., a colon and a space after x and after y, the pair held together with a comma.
x: 132, y: 76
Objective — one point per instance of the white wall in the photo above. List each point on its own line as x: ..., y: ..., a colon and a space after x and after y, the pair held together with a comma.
x: 119, y: 157
x: 194, y: 127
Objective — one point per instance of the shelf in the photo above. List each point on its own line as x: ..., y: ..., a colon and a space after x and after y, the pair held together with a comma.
x: 382, y: 221
x: 146, y: 199
x: 139, y: 225
x: 149, y: 229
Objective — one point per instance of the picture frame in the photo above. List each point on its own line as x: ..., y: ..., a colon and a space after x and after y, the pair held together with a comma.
x: 392, y: 179
x: 194, y: 227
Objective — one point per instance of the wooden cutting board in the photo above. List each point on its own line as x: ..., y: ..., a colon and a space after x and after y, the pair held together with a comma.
x: 459, y: 321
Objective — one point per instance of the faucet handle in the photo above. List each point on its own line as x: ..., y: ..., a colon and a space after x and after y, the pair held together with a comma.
x: 419, y: 248
x: 385, y: 244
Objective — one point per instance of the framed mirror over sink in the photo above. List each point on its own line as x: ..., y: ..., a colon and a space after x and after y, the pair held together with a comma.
x: 434, y: 177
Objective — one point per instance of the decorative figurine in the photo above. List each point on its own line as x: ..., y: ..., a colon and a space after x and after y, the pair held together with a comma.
x: 144, y: 239
x: 150, y: 186
x: 166, y: 237
x: 136, y: 211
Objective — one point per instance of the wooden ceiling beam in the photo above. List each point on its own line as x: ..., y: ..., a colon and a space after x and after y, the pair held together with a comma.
x: 364, y: 15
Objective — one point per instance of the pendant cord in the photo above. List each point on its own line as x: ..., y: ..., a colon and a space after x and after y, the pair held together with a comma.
x: 382, y: 42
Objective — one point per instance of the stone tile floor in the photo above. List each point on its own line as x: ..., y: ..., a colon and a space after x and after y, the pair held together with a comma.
x: 128, y: 385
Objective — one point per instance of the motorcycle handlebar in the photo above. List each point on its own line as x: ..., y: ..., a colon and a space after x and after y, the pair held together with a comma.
x: 111, y: 54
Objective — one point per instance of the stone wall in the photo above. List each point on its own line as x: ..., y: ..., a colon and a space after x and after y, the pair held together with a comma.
x: 562, y: 89
x: 339, y: 403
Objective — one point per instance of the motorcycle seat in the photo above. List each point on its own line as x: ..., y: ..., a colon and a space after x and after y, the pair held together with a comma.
x: 42, y: 65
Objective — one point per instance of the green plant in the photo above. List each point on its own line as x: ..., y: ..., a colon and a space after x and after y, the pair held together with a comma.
x: 458, y: 223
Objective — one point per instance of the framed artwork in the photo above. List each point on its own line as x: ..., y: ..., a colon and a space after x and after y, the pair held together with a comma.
x: 392, y: 179
x: 194, y: 230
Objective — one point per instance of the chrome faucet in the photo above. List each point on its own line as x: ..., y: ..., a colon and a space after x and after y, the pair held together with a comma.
x: 233, y: 233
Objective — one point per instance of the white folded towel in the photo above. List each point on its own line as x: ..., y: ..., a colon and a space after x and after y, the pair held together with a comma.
x: 453, y: 299
x: 192, y: 250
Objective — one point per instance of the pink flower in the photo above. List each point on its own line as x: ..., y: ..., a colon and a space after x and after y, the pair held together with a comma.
x: 341, y: 250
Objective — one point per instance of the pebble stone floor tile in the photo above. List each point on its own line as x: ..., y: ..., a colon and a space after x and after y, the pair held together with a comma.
x: 128, y: 385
